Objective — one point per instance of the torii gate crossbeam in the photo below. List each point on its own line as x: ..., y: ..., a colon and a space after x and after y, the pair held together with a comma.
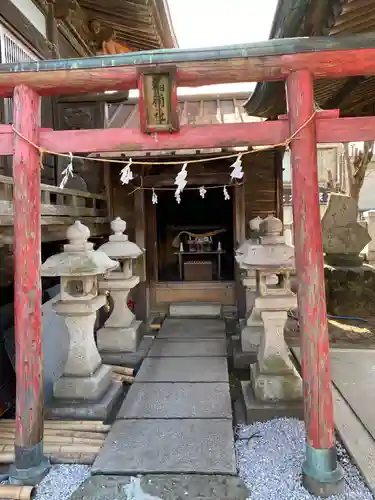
x: 299, y: 62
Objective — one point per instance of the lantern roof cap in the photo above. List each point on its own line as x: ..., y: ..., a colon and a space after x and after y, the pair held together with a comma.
x: 119, y: 247
x: 271, y: 253
x: 79, y: 257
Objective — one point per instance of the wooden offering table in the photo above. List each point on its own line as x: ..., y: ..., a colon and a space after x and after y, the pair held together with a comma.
x: 200, y: 272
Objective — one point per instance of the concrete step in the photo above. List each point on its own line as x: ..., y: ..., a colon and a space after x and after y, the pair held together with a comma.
x: 194, y: 310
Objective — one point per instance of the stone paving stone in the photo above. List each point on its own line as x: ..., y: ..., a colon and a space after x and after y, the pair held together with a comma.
x: 194, y: 369
x: 165, y: 486
x: 192, y: 328
x: 177, y: 400
x: 168, y: 446
x: 180, y: 348
x: 353, y: 373
x: 354, y: 405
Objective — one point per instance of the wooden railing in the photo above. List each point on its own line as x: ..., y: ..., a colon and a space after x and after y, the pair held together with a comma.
x: 59, y: 207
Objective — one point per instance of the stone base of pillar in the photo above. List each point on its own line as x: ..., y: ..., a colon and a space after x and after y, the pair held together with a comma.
x: 250, y: 338
x: 276, y: 387
x: 74, y: 409
x: 241, y: 359
x: 129, y: 359
x: 260, y: 411
x: 119, y: 340
x: 89, y: 388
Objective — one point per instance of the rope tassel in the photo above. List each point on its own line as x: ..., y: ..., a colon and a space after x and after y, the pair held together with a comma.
x: 67, y: 172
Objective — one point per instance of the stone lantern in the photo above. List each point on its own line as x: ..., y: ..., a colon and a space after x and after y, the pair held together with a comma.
x: 85, y: 388
x: 250, y: 332
x: 121, y: 332
x: 275, y: 382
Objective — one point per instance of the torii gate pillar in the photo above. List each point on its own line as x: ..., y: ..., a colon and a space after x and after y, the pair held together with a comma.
x: 322, y: 475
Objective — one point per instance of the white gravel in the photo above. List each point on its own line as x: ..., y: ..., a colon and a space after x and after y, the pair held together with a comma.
x: 61, y: 482
x: 269, y: 458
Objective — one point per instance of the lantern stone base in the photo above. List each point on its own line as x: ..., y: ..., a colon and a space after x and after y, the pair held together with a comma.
x: 250, y: 338
x: 260, y: 411
x: 119, y: 340
x: 79, y: 409
x: 88, y: 388
x: 241, y: 359
x: 275, y: 387
x: 129, y: 359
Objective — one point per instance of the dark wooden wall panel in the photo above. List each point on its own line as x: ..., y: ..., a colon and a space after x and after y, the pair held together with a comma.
x: 261, y: 185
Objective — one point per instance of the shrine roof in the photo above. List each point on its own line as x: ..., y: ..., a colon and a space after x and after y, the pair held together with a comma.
x: 139, y: 24
x: 193, y: 109
x: 295, y: 18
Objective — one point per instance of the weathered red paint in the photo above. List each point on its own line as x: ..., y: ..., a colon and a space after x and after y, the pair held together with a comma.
x: 124, y: 139
x: 309, y: 264
x: 193, y: 73
x: 328, y: 130
x: 27, y: 285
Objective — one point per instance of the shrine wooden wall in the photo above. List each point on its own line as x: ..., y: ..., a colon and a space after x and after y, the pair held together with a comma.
x: 263, y: 185
x: 260, y: 195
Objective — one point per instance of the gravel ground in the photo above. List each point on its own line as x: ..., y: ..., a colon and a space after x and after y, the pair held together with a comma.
x: 61, y: 482
x: 269, y: 457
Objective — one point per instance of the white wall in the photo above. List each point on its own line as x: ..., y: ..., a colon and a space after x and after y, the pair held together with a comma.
x: 32, y: 13
x: 328, y: 159
x: 367, y: 194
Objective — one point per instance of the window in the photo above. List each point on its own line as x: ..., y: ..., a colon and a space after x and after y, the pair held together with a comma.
x: 12, y: 51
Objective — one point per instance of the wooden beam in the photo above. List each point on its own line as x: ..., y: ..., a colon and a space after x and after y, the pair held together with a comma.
x: 122, y: 139
x: 329, y: 130
x: 198, y: 180
x: 326, y: 57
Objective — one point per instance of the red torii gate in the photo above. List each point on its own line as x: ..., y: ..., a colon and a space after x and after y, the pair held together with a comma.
x: 298, y: 62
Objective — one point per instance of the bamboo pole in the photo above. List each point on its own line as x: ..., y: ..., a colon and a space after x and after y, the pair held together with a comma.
x: 56, y: 458
x: 122, y: 378
x: 79, y: 425
x: 14, y: 492
x: 51, y: 448
x: 73, y: 458
x: 123, y: 370
x: 50, y: 439
x: 6, y: 458
x: 50, y: 432
x: 57, y: 422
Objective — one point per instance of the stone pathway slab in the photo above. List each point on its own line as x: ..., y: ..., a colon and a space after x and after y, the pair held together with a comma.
x: 181, y: 348
x: 177, y: 400
x: 165, y: 486
x: 353, y: 377
x: 197, y: 369
x: 168, y: 446
x: 192, y: 328
x: 353, y: 373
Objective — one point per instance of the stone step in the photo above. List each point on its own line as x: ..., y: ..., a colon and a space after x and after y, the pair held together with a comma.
x: 195, y: 310
x: 165, y: 446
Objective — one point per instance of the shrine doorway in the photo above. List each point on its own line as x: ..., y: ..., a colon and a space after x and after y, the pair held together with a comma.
x: 194, y: 257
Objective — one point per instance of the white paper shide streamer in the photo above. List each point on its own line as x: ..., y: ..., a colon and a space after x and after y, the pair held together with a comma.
x: 154, y: 198
x: 180, y: 182
x: 202, y: 191
x: 225, y: 193
x: 126, y: 174
x: 67, y: 172
x: 237, y: 172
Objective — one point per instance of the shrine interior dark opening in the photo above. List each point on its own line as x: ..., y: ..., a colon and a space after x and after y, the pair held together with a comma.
x: 195, y: 238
